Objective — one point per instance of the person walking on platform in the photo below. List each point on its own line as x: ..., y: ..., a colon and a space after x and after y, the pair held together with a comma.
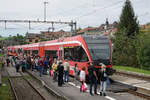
x: 17, y: 64
x: 45, y: 66
x: 60, y: 73
x: 103, y: 78
x: 24, y: 65
x: 66, y: 71
x: 50, y: 66
x: 40, y: 63
x: 75, y: 73
x: 92, y: 78
x: 7, y: 61
x: 50, y: 62
x: 54, y: 68
x: 82, y: 79
x: 36, y: 63
x: 29, y: 62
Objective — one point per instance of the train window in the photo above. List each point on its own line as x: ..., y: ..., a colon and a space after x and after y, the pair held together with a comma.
x: 36, y: 41
x: 35, y: 52
x: 25, y: 51
x: 60, y: 54
x: 15, y: 51
x: 51, y: 53
x: 75, y: 54
x: 19, y: 50
x: 11, y: 51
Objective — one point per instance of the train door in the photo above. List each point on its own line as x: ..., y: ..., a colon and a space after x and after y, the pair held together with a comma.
x: 41, y: 50
x: 60, y: 52
x: 76, y: 55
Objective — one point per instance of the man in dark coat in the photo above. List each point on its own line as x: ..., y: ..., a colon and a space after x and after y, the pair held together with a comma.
x: 92, y: 78
x: 60, y: 73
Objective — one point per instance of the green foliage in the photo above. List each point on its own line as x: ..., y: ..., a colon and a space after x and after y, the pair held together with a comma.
x: 14, y: 40
x: 43, y: 40
x: 1, y: 54
x: 128, y: 22
x: 124, y: 51
x: 125, y: 39
x: 143, y: 50
x: 5, y: 91
x: 79, y: 29
x: 131, y: 69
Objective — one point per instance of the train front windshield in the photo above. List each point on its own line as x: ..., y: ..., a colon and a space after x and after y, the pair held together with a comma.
x: 99, y: 49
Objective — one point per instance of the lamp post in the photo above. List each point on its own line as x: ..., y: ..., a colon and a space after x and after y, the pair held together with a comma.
x: 45, y: 10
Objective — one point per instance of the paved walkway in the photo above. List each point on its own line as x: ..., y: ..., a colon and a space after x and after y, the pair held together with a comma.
x: 12, y: 72
x: 132, y: 81
x: 71, y: 91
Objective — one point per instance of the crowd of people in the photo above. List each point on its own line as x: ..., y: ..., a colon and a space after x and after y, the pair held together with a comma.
x: 60, y: 71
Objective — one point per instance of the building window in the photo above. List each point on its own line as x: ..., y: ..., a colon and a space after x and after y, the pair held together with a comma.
x: 30, y: 40
x: 36, y: 41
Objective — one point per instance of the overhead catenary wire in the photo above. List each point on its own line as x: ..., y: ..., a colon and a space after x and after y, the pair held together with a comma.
x: 95, y: 10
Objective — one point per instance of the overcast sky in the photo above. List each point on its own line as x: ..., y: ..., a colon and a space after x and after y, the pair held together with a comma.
x: 85, y: 12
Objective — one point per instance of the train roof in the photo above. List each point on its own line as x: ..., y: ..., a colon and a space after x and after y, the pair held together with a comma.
x: 87, y: 39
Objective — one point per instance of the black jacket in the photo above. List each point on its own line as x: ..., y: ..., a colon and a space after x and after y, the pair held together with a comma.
x: 60, y: 69
x: 103, y: 76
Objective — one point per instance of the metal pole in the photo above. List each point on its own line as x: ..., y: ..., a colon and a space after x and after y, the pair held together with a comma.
x: 5, y: 25
x: 45, y: 11
x: 75, y: 30
x: 29, y: 25
x: 52, y: 27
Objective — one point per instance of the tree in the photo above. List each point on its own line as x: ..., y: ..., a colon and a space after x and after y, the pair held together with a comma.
x: 125, y: 38
x: 78, y: 29
x: 143, y: 50
x: 128, y: 21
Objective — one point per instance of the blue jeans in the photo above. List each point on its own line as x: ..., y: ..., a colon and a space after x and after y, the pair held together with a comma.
x: 93, y: 81
x: 66, y: 76
x: 40, y: 70
x: 103, y: 86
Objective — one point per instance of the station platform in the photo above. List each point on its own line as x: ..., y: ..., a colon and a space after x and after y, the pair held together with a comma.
x: 12, y: 72
x: 132, y: 81
x: 72, y: 91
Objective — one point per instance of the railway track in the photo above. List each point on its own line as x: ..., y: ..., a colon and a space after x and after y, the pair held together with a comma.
x: 24, y: 90
x: 140, y: 91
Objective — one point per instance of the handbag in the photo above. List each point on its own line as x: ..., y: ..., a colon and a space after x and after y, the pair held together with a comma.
x: 51, y: 72
x: 85, y: 86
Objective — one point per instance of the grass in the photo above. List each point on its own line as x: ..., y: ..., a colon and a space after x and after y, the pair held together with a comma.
x: 132, y: 69
x: 3, y: 38
x: 5, y: 91
x: 28, y: 77
x: 1, y: 54
x: 1, y: 61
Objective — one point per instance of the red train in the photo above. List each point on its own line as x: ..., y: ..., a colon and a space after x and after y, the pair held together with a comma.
x: 80, y: 49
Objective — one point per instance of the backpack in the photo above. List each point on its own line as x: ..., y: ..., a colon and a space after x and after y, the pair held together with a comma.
x: 45, y: 63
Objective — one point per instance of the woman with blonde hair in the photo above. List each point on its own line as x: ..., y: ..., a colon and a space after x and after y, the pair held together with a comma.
x: 103, y: 78
x: 54, y: 68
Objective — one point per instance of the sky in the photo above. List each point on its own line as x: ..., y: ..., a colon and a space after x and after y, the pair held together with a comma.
x: 84, y: 12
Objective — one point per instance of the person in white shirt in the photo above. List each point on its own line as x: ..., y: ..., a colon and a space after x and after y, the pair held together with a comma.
x: 82, y: 75
x: 66, y: 71
x: 82, y: 79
